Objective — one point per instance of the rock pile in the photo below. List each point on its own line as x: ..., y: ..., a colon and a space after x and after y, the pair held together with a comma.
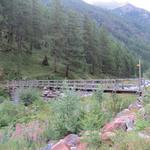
x: 70, y: 142
x: 125, y: 120
x: 49, y: 93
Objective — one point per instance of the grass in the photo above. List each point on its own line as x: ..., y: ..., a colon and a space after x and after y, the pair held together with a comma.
x: 87, y: 114
x: 32, y: 68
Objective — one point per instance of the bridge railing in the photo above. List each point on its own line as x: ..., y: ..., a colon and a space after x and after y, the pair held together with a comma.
x: 103, y: 84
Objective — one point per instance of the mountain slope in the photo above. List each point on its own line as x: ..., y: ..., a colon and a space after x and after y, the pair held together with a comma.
x: 139, y: 17
x: 132, y: 32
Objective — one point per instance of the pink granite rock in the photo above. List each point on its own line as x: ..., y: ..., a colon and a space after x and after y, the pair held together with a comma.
x: 70, y: 142
x: 31, y: 130
x: 60, y: 146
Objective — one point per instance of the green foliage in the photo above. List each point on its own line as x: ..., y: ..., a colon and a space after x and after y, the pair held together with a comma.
x: 3, y: 93
x: 98, y: 96
x: 8, y: 113
x: 141, y: 124
x: 29, y: 96
x: 65, y: 116
x: 67, y: 39
x: 17, y: 144
x: 93, y: 140
x: 116, y: 103
x: 94, y: 117
x: 129, y: 141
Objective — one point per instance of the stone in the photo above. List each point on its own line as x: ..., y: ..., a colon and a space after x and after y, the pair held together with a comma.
x: 107, y: 135
x: 82, y: 146
x: 48, y: 147
x: 60, y: 146
x: 31, y: 130
x: 71, y: 140
x: 123, y: 122
x: 135, y: 106
x: 124, y: 112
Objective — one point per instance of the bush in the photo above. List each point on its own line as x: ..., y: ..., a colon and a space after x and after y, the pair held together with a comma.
x: 2, y: 99
x: 8, y: 113
x: 93, y: 140
x: 98, y: 96
x: 28, y: 96
x: 129, y: 141
x: 65, y: 116
x: 19, y: 144
x: 3, y: 93
x: 115, y: 103
x: 141, y: 124
x: 94, y: 117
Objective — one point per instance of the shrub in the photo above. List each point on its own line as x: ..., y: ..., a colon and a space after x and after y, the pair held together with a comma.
x: 3, y: 93
x: 28, y: 96
x: 141, y: 124
x: 94, y: 117
x: 8, y: 113
x: 93, y: 140
x: 115, y: 103
x: 129, y: 141
x: 98, y: 96
x: 2, y: 99
x: 18, y: 144
x: 65, y: 116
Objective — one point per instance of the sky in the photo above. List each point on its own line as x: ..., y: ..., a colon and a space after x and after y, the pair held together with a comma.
x: 139, y: 3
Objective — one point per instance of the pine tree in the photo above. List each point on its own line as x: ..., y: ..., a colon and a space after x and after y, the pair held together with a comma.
x: 73, y: 52
x: 57, y: 26
x: 107, y: 57
x: 90, y: 43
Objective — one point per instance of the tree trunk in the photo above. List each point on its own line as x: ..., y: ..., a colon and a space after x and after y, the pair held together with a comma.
x: 10, y: 36
x: 31, y: 47
x: 93, y: 69
x: 67, y: 71
x: 55, y: 64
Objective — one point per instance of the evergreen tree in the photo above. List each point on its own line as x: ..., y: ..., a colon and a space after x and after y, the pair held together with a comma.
x: 90, y: 43
x: 73, y: 52
x: 57, y: 26
x: 106, y: 51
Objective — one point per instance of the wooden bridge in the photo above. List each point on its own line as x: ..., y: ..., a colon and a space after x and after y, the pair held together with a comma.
x: 107, y: 85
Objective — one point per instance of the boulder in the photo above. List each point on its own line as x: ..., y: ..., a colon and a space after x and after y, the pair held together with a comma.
x: 31, y: 130
x: 60, y: 146
x: 70, y: 142
x: 82, y: 146
x: 125, y: 122
x: 135, y: 106
x: 107, y: 135
x: 124, y: 112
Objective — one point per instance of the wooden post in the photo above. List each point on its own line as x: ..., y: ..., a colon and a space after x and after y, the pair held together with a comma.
x: 140, y: 76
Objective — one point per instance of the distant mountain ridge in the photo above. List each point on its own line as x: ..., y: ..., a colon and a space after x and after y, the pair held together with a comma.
x: 109, y: 5
x: 132, y: 10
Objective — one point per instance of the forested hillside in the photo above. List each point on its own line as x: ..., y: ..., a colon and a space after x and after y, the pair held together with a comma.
x: 49, y: 41
x: 132, y: 29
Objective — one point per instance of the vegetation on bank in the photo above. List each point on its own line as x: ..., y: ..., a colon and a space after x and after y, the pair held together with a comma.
x: 68, y: 114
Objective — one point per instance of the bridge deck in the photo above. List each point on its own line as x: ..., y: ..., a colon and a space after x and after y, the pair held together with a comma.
x: 107, y: 85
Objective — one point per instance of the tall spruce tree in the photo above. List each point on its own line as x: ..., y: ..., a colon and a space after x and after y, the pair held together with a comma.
x: 73, y: 52
x: 107, y: 57
x: 57, y: 27
x: 89, y: 43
